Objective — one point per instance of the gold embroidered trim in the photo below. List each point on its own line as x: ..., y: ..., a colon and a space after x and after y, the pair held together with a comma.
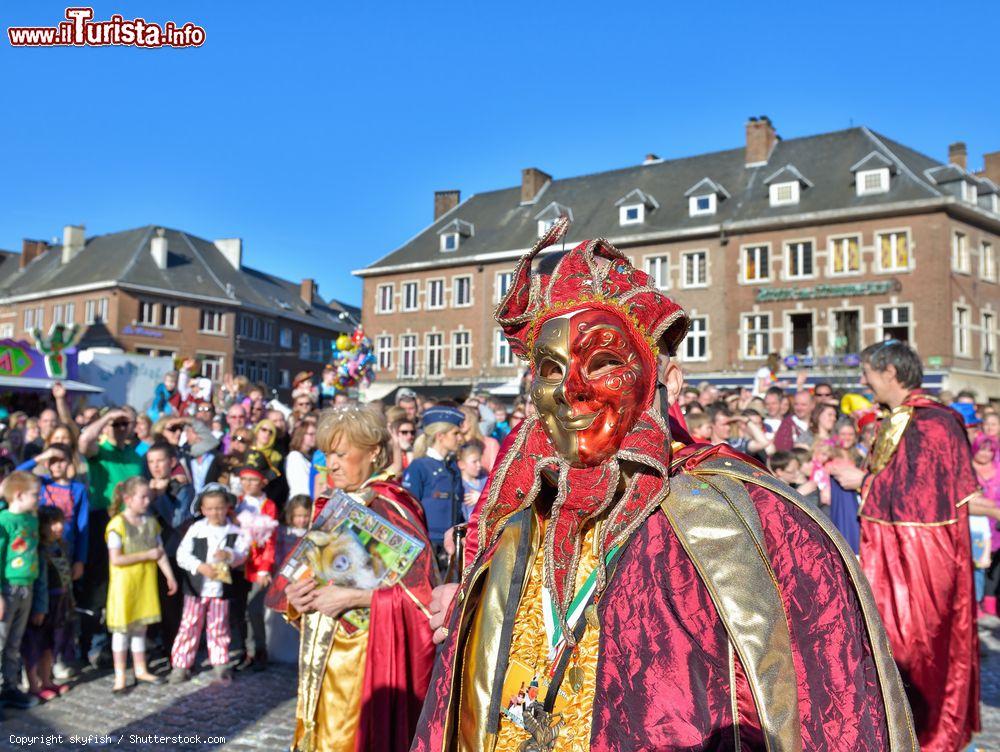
x: 887, y: 440
x: 967, y: 499
x: 903, y: 523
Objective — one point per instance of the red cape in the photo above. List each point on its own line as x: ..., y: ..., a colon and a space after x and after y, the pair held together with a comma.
x: 915, y: 551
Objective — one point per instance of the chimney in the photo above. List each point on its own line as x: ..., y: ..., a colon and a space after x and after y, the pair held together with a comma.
x: 958, y: 154
x: 532, y: 181
x: 761, y: 139
x: 444, y: 202
x: 73, y: 242
x: 232, y: 249
x: 158, y: 248
x: 307, y: 291
x: 991, y: 166
x: 30, y: 250
x: 651, y: 159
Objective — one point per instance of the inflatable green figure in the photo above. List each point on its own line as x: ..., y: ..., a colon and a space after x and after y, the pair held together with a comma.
x: 61, y: 336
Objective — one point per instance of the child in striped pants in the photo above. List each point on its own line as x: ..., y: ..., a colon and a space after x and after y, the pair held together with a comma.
x: 209, y: 548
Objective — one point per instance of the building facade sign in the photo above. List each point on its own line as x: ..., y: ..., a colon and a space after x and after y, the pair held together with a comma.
x: 771, y: 295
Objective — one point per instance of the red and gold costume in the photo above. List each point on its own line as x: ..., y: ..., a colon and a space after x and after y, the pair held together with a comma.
x: 915, y: 551
x: 361, y: 691
x: 624, y: 597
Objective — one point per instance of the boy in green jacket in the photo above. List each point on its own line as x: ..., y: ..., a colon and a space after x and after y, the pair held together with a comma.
x: 18, y: 572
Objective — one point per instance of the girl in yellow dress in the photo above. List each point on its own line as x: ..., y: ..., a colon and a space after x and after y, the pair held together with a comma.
x: 134, y: 552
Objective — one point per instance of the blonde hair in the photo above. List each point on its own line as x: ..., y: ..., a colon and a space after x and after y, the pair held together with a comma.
x: 472, y: 421
x: 18, y: 482
x: 123, y: 489
x: 361, y: 425
x: 426, y: 438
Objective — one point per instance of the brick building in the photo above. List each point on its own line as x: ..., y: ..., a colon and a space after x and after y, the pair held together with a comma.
x: 810, y: 247
x: 159, y: 291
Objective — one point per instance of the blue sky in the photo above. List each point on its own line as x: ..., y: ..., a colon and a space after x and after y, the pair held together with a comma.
x: 320, y: 138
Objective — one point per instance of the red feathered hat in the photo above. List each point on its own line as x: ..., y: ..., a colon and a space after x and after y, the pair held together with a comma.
x: 594, y: 274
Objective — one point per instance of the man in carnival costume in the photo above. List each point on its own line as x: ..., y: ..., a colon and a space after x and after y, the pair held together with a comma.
x: 918, y: 490
x: 628, y: 593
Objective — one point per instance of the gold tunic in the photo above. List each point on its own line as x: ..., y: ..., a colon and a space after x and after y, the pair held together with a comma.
x: 529, y: 653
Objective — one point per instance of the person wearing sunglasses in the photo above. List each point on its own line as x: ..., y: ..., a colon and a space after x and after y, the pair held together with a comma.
x: 403, y: 433
x: 111, y: 459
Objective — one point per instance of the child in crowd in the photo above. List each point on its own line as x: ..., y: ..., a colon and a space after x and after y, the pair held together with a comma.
x: 282, y: 637
x: 787, y: 466
x: 501, y: 425
x: 135, y: 551
x: 66, y: 495
x: 50, y: 633
x: 470, y: 464
x: 249, y: 608
x: 699, y: 426
x: 209, y: 550
x: 164, y: 397
x: 18, y: 572
x: 328, y: 387
x: 823, y: 451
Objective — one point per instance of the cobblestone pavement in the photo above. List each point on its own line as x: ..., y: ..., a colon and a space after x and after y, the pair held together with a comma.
x: 257, y: 711
x: 254, y: 712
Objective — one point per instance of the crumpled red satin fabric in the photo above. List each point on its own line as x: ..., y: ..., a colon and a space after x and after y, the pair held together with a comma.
x: 921, y: 576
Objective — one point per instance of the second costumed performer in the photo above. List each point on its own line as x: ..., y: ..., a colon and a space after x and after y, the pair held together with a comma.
x: 629, y: 593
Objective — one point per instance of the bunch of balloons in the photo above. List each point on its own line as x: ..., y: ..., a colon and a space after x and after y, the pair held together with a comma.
x: 354, y: 360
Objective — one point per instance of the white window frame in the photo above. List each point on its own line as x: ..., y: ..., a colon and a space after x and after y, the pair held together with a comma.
x: 69, y: 315
x: 793, y: 198
x: 89, y: 310
x: 895, y: 323
x: 623, y: 218
x: 960, y: 261
x: 970, y: 192
x: 962, y: 320
x: 147, y: 313
x: 988, y: 344
x: 408, y: 356
x: 502, y: 284
x: 761, y: 333
x: 6, y: 331
x: 878, y: 251
x: 385, y: 298
x: 383, y: 351
x: 434, y: 344
x: 286, y: 339
x: 788, y: 258
x: 216, y: 317
x: 169, y: 315
x: 744, y: 249
x: 461, y: 349
x: 456, y: 298
x: 694, y: 337
x: 987, y: 261
x: 693, y: 209
x: 452, y: 237
x: 503, y: 356
x: 210, y: 365
x: 837, y: 244
x: 687, y: 259
x: 860, y: 180
x: 57, y: 313
x: 544, y: 225
x: 305, y: 346
x: 431, y: 304
x: 658, y: 269
x: 29, y: 319
x: 405, y: 287
x: 284, y: 378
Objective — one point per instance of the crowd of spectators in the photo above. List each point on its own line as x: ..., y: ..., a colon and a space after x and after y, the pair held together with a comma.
x: 194, y: 501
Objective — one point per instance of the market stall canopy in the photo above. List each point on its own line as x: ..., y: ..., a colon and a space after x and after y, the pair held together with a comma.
x: 22, y: 368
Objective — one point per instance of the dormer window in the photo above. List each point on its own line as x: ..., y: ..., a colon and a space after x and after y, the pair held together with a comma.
x: 449, y: 242
x: 548, y: 216
x: 969, y: 192
x: 452, y: 233
x: 872, y: 181
x: 631, y: 215
x: 698, y: 205
x: 784, y: 193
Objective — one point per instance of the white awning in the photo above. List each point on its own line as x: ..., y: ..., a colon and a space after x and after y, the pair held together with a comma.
x: 510, y: 388
x: 377, y: 391
x: 25, y: 382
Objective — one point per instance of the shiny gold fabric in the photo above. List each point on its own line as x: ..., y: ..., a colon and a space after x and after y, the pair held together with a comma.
x: 889, y: 433
x: 337, y: 698
x: 529, y: 649
x: 719, y: 528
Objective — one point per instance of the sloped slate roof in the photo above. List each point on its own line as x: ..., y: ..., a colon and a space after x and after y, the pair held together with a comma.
x: 503, y: 224
x: 195, y: 266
